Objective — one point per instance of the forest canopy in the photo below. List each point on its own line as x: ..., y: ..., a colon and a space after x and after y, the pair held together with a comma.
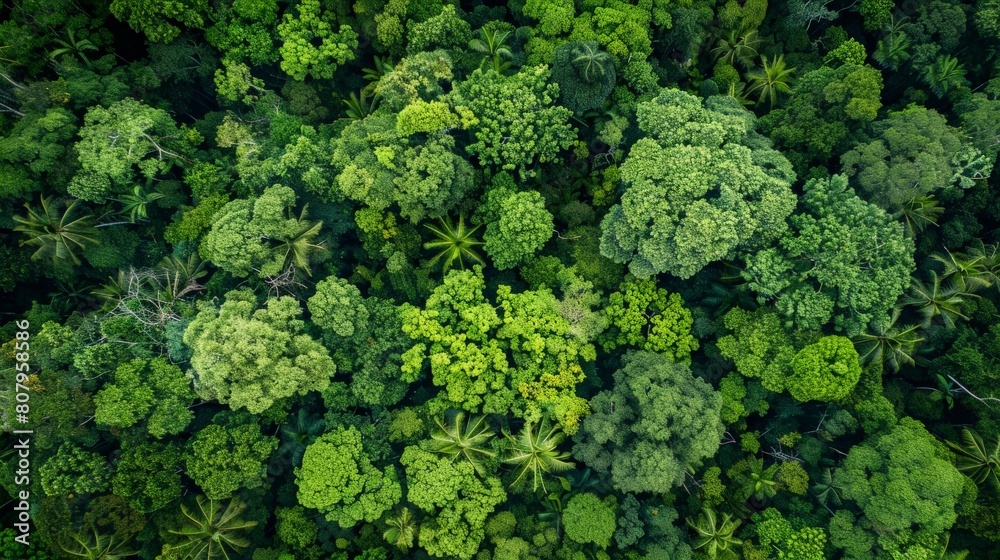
x: 485, y: 280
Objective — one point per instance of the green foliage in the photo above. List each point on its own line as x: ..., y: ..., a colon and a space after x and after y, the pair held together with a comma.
x: 378, y: 166
x: 759, y: 346
x: 536, y: 452
x: 938, y: 298
x: 644, y: 316
x: 148, y: 476
x: 456, y: 244
x: 210, y: 530
x: 876, y: 13
x: 246, y: 32
x: 465, y: 338
x: 229, y: 454
x: 402, y: 530
x: 295, y: 528
x: 945, y: 74
x: 310, y: 47
x: 716, y: 534
x: 509, y: 225
x: 902, y: 479
x: 446, y: 30
x: 233, y: 82
x: 338, y: 479
x: 136, y: 204
x: 159, y: 20
x: 826, y: 110
x: 517, y: 226
x: 419, y: 76
x: 668, y: 219
x: 493, y: 42
x: 469, y: 442
x: 585, y: 74
x: 912, y: 157
x: 588, y: 519
x: 14, y: 550
x: 73, y: 470
x: 56, y: 236
x: 826, y: 370
x: 776, y: 532
x: 338, y: 307
x: 117, y: 140
x: 89, y: 543
x: 977, y: 459
x: 37, y: 146
x: 153, y: 390
x: 738, y: 46
x: 773, y: 78
x: 518, y: 120
x: 657, y: 422
x: 850, y: 260
x: 250, y: 358
x: 263, y: 235
x: 456, y: 501
x: 888, y: 344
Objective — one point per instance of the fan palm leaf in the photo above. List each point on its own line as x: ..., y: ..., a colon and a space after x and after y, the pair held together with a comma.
x: 468, y: 440
x: 536, y: 452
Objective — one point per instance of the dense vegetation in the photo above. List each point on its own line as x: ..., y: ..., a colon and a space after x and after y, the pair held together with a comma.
x: 591, y: 279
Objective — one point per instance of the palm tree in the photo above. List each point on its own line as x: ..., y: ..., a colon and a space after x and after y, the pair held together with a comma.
x: 737, y: 90
x: 918, y: 213
x: 213, y: 531
x: 177, y: 277
x: 114, y: 290
x: 456, y: 243
x: 944, y: 75
x: 762, y: 483
x: 716, y: 536
x: 358, y: 106
x: 492, y: 43
x: 73, y: 46
x: 970, y: 271
x: 991, y: 259
x: 374, y: 75
x: 773, y: 78
x: 402, y: 531
x: 72, y: 295
x: 297, y: 434
x: 299, y: 246
x: 92, y: 545
x: 135, y: 203
x: 892, y: 51
x: 947, y: 390
x: 826, y: 491
x: 536, y: 452
x: 57, y: 235
x: 592, y: 62
x: 469, y: 442
x: 888, y: 343
x: 937, y: 299
x: 979, y: 461
x: 738, y: 46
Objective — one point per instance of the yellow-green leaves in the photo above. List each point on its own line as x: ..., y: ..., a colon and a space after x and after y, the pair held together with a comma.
x: 644, y: 316
x: 337, y: 478
x: 825, y: 371
x: 249, y: 358
x: 694, y: 193
x: 465, y: 338
x: 300, y: 54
